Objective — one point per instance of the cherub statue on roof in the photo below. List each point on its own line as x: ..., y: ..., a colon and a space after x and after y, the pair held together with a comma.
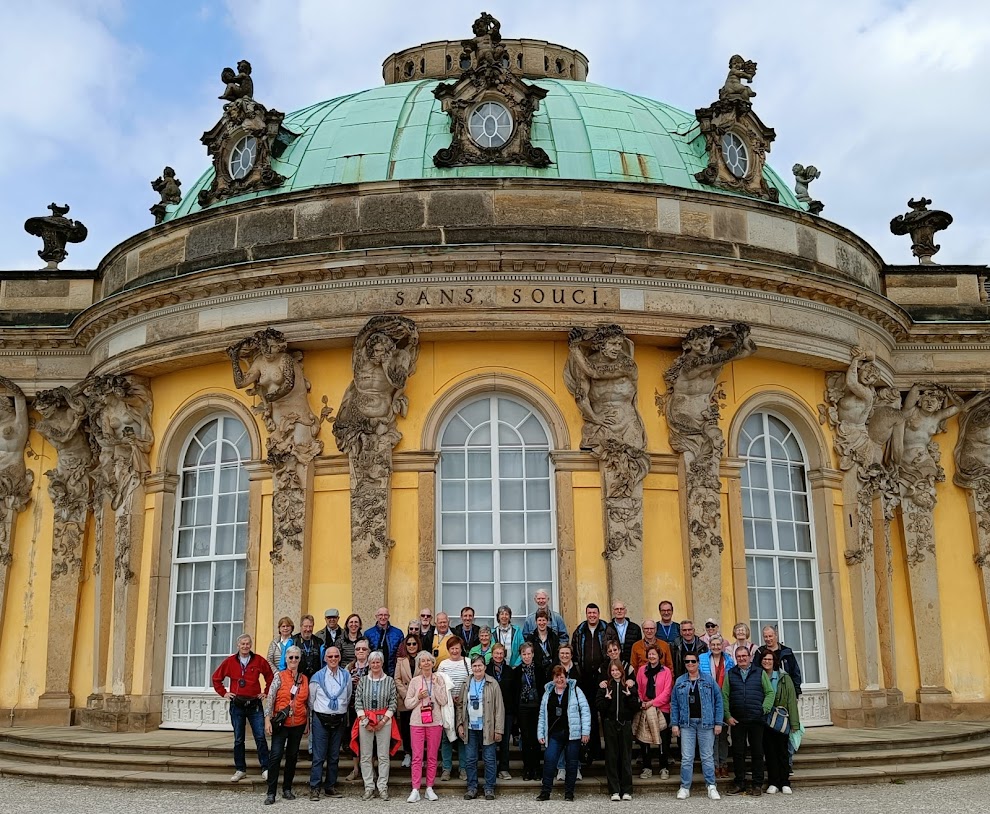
x: 239, y: 84
x: 734, y: 90
x: 487, y: 43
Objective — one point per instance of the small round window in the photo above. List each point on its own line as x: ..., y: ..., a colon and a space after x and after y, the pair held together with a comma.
x: 490, y: 125
x: 735, y: 154
x: 242, y: 157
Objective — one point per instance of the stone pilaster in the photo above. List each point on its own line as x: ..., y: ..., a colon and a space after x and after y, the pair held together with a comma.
x: 857, y: 497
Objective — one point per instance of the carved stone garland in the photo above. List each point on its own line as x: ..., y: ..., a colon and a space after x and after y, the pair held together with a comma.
x: 65, y: 425
x: 384, y: 357
x: 488, y: 79
x: 119, y: 408
x: 275, y: 375
x: 972, y: 456
x: 16, y: 480
x: 604, y: 379
x: 690, y: 406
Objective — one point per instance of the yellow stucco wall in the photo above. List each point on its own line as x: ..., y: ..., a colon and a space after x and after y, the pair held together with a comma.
x: 442, y: 366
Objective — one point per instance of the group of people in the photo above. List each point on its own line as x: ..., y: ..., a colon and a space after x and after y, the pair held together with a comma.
x: 380, y: 691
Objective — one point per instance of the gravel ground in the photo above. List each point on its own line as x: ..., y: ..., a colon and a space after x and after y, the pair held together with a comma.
x: 957, y: 794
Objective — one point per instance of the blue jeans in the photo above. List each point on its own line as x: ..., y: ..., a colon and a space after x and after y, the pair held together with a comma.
x: 704, y: 736
x: 476, y: 744
x: 447, y: 753
x: 326, y: 747
x: 557, y: 745
x: 239, y: 717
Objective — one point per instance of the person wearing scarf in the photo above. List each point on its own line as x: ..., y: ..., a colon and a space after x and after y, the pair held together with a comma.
x: 499, y: 669
x: 716, y: 663
x: 652, y: 727
x: 530, y: 680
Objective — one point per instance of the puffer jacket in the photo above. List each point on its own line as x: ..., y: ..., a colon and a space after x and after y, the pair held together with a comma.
x: 711, y: 701
x: 746, y: 699
x: 578, y: 712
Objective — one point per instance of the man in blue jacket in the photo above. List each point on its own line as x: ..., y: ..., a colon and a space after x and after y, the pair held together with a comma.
x: 747, y: 696
x: 386, y: 638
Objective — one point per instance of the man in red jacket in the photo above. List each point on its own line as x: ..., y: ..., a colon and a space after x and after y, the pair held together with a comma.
x: 244, y: 670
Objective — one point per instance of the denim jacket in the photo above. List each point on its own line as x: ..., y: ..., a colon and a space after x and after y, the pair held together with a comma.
x: 711, y: 702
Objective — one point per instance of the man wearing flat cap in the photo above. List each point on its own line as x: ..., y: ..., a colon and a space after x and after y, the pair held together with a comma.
x: 332, y: 633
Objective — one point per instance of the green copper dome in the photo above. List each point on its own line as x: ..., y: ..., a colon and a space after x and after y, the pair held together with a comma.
x: 391, y: 133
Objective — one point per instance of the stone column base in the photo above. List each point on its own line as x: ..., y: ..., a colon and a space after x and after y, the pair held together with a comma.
x: 37, y: 717
x: 934, y: 704
x: 118, y: 713
x: 876, y: 709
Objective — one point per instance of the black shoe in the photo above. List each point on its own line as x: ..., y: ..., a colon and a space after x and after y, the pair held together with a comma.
x: 737, y: 790
x: 332, y: 792
x: 470, y: 794
x: 489, y: 795
x: 269, y: 799
x: 542, y: 797
x: 288, y: 795
x: 569, y: 798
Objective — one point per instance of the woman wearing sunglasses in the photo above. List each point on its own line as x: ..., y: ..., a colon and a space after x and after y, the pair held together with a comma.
x: 286, y: 721
x: 405, y: 669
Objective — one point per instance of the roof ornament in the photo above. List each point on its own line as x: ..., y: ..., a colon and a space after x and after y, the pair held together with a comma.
x: 734, y: 90
x: 55, y: 230
x: 168, y: 186
x: 803, y: 176
x: 244, y: 141
x: 736, y: 141
x: 491, y: 110
x: 922, y: 224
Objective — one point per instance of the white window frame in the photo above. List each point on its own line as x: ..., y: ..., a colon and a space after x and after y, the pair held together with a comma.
x: 169, y: 687
x: 777, y: 553
x: 519, y: 614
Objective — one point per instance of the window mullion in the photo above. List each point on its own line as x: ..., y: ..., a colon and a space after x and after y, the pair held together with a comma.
x: 495, y: 451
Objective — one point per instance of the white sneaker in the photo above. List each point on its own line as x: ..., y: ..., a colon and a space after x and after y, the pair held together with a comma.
x: 646, y: 774
x: 786, y: 790
x: 683, y: 793
x: 771, y: 789
x: 237, y: 776
x: 431, y: 795
x: 561, y: 774
x: 664, y: 774
x: 407, y: 761
x: 264, y: 775
x: 626, y: 798
x: 615, y: 798
x: 579, y: 775
x: 413, y: 796
x: 713, y: 793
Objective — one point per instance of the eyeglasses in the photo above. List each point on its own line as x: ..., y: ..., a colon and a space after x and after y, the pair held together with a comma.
x: 426, y: 616
x: 710, y: 624
x: 412, y: 643
x: 690, y: 661
x: 329, y: 656
x: 292, y: 658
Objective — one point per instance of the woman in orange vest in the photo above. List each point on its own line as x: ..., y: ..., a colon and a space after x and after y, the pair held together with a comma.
x: 286, y: 721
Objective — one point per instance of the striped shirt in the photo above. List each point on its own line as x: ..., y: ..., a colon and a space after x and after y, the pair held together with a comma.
x: 457, y: 670
x: 372, y: 694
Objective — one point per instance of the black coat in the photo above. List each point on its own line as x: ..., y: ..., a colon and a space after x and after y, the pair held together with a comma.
x: 544, y: 662
x: 310, y: 662
x: 469, y: 642
x: 788, y: 661
x: 539, y: 685
x: 745, y: 695
x: 620, y: 707
x: 677, y: 654
x: 633, y: 634
x: 509, y: 686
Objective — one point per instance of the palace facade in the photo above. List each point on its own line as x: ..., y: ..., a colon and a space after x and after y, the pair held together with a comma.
x: 484, y: 329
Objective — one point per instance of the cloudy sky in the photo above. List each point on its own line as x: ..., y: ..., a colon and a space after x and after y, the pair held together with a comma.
x: 888, y: 98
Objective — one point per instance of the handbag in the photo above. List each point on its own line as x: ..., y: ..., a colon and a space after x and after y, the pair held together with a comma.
x: 779, y: 720
x: 281, y: 716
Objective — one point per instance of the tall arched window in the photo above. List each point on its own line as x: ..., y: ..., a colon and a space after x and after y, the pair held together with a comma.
x: 209, y: 554
x: 781, y: 567
x: 497, y: 536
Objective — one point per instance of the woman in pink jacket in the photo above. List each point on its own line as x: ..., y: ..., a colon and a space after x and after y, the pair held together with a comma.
x: 652, y: 724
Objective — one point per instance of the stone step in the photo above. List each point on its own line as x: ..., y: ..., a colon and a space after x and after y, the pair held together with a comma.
x: 882, y: 773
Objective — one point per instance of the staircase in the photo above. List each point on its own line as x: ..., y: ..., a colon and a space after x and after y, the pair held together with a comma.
x: 170, y: 757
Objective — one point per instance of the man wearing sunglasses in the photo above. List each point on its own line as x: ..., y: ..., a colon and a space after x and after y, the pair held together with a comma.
x: 426, y: 628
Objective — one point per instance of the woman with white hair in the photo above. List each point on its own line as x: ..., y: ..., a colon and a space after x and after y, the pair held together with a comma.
x: 286, y: 721
x: 375, y: 702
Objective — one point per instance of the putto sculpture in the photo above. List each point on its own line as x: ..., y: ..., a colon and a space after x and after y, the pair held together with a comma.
x: 740, y: 71
x: 237, y: 84
x: 166, y: 185
x: 803, y: 176
x: 604, y: 379
x: 921, y: 223
x: 972, y: 457
x: 15, y: 478
x: 55, y: 230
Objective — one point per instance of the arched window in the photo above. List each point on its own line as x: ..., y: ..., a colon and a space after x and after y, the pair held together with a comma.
x: 209, y: 553
x: 781, y: 567
x: 497, y: 536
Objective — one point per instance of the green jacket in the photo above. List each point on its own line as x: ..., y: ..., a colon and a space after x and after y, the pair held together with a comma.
x: 787, y: 697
